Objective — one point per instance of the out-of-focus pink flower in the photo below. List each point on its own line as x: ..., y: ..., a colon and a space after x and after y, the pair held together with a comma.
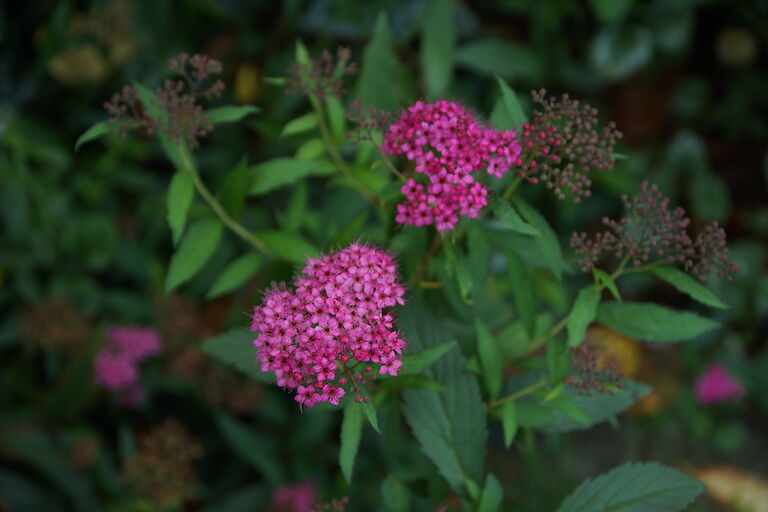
x: 298, y: 497
x: 716, y: 385
x: 134, y: 343
x: 114, y: 372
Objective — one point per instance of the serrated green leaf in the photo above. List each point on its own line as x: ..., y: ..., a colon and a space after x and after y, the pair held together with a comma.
x: 279, y: 172
x: 380, y: 66
x: 235, y: 347
x: 688, y: 285
x: 288, y: 246
x: 415, y: 363
x: 236, y: 273
x: 510, y: 218
x: 490, y: 358
x: 548, y: 242
x: 634, y: 487
x: 194, y: 251
x: 370, y: 413
x: 496, y: 56
x: 351, y: 431
x: 571, y: 409
x: 94, y: 132
x: 509, y: 422
x: 253, y: 447
x: 449, y: 426
x: 522, y: 291
x: 438, y: 40
x: 301, y: 124
x: 514, y: 112
x: 490, y: 499
x: 230, y: 113
x: 582, y: 314
x: 181, y: 191
x: 651, y: 322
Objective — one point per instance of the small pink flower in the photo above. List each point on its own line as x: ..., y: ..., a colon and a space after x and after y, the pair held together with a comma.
x: 337, y: 313
x: 135, y: 343
x: 716, y: 385
x: 298, y: 497
x: 115, y: 372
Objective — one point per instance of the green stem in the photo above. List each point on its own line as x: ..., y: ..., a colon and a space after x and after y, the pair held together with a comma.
x: 511, y: 188
x: 330, y: 147
x: 216, y: 206
x: 388, y: 162
x: 517, y: 394
x: 436, y: 241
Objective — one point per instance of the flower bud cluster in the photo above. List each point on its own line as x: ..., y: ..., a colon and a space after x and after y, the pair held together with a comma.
x: 651, y: 232
x: 116, y: 366
x: 319, y: 338
x: 183, y: 119
x: 593, y: 373
x: 322, y: 76
x: 563, y: 143
x: 447, y: 145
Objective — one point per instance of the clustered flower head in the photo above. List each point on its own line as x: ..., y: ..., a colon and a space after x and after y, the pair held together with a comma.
x: 116, y: 366
x: 593, y: 373
x: 563, y: 143
x: 322, y: 76
x: 162, y: 469
x: 650, y: 231
x: 321, y: 336
x: 55, y: 324
x: 366, y: 121
x: 448, y: 145
x: 182, y: 118
x: 717, y: 385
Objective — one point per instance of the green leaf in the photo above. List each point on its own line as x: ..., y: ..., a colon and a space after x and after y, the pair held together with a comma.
x: 94, y: 132
x: 288, y: 246
x: 235, y: 188
x: 438, y: 41
x: 490, y: 500
x: 619, y: 51
x: 450, y: 426
x: 650, y: 322
x: 548, y: 242
x: 479, y: 255
x: 230, y: 114
x: 611, y: 11
x: 301, y: 124
x: 336, y: 117
x: 415, y: 363
x: 380, y: 66
x: 254, y: 448
x: 370, y: 413
x: 515, y: 117
x: 194, y: 251
x: 634, y: 487
x: 293, y: 217
x: 496, y: 56
x: 522, y: 291
x: 180, y: 194
x: 351, y: 430
x: 395, y: 494
x: 457, y: 266
x: 510, y: 218
x: 235, y: 348
x: 236, y: 273
x: 688, y: 285
x: 606, y: 281
x: 490, y: 358
x: 413, y: 381
x: 582, y: 314
x: 558, y: 361
x: 509, y: 422
x: 570, y: 408
x: 279, y: 172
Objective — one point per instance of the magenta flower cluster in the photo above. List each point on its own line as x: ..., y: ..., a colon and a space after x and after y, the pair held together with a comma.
x: 319, y: 338
x: 116, y: 366
x: 447, y: 145
x: 717, y: 385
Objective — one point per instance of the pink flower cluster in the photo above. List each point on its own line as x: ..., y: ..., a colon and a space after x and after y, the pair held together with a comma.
x: 717, y: 385
x: 116, y: 366
x: 298, y: 497
x: 318, y: 338
x: 448, y: 145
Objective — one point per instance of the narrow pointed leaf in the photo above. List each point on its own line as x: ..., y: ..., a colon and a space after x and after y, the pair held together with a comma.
x: 509, y: 422
x: 507, y: 214
x: 490, y: 499
x: 490, y: 358
x: 438, y: 39
x: 370, y: 414
x: 582, y: 314
x: 94, y: 132
x: 351, y: 431
x: 230, y: 114
x: 688, y: 285
x: 651, y: 322
x: 181, y: 192
x: 512, y: 106
x: 415, y: 363
x: 548, y: 241
x: 235, y: 348
x: 194, y: 251
x: 236, y: 274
